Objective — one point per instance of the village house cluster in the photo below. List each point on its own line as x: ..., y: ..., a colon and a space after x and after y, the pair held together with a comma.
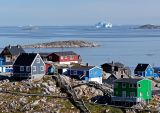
x: 128, y: 90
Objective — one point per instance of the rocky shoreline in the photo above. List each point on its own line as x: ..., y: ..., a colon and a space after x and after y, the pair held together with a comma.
x: 63, y: 44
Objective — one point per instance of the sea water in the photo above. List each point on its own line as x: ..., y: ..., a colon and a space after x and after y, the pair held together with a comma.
x: 125, y: 44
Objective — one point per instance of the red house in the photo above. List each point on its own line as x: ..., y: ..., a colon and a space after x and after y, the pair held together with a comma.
x: 65, y: 57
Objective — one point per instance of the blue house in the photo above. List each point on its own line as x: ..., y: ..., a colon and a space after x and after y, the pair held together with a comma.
x: 28, y: 66
x: 87, y: 73
x: 144, y: 70
x: 2, y: 68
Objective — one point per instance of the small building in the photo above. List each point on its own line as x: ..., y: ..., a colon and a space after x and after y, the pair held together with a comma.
x: 10, y: 53
x: 28, y: 66
x: 144, y: 70
x: 116, y: 68
x: 65, y: 57
x: 86, y: 73
x: 109, y: 78
x: 130, y: 91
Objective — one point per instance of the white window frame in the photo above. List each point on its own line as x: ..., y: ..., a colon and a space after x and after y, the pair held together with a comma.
x: 21, y: 68
x: 8, y: 58
x: 42, y: 68
x: 34, y: 68
x: 71, y: 57
x: 61, y: 57
x: 38, y: 60
x: 50, y: 57
x: 28, y: 69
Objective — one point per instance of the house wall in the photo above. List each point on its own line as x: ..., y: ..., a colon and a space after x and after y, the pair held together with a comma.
x: 95, y: 72
x: 145, y: 89
x: 78, y: 74
x: 38, y: 65
x: 118, y: 89
x: 149, y: 72
x: 69, y: 58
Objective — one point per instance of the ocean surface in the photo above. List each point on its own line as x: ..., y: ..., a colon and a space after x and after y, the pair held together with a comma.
x: 124, y: 44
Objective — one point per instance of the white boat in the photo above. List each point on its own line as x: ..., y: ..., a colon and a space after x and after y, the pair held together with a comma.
x: 103, y: 25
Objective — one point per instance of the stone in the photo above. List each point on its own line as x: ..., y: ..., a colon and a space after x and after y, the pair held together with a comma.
x: 45, y: 84
x: 23, y: 101
x: 51, y: 89
x: 35, y: 103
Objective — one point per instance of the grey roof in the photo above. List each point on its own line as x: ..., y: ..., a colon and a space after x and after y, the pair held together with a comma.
x: 128, y: 80
x: 15, y: 50
x: 25, y: 59
x: 64, y: 53
x: 118, y: 64
x: 81, y: 67
x: 141, y: 67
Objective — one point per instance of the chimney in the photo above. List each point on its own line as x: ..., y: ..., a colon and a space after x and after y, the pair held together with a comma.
x: 86, y: 64
x: 9, y: 46
x: 112, y: 67
x: 18, y: 46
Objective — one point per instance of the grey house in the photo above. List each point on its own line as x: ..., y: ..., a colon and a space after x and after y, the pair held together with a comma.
x: 28, y: 66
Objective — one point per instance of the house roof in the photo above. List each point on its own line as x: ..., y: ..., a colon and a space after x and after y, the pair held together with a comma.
x: 128, y: 80
x: 141, y: 67
x: 117, y: 64
x: 15, y: 50
x: 25, y: 59
x: 81, y: 67
x: 44, y: 54
x: 64, y: 53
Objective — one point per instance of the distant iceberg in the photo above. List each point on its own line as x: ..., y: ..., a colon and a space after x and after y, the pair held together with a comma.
x: 103, y: 25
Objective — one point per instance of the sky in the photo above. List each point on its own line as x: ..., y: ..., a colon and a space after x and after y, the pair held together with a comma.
x: 78, y: 12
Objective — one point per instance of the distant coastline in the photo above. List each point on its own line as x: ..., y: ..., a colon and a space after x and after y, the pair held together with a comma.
x: 63, y: 44
x: 149, y: 26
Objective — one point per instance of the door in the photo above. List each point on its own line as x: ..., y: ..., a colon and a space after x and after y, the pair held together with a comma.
x: 123, y: 93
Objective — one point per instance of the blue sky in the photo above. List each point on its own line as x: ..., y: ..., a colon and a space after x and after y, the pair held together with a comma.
x: 78, y: 12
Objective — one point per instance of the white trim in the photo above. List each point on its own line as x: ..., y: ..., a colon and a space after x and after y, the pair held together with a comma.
x: 21, y: 68
x: 96, y: 67
x: 68, y: 62
x: 34, y: 69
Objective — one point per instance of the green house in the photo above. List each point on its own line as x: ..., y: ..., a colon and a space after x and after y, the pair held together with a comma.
x: 132, y: 90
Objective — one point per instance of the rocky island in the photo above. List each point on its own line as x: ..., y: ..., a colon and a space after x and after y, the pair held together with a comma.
x: 149, y: 26
x: 63, y: 44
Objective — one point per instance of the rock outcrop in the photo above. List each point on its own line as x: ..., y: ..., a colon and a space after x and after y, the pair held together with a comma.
x: 149, y: 26
x: 63, y: 44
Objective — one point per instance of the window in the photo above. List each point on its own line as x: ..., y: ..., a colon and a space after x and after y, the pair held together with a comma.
x: 139, y: 85
x: 8, y: 58
x: 71, y: 57
x: 61, y: 57
x: 65, y: 57
x: 42, y: 68
x: 75, y: 72
x: 132, y: 94
x: 123, y: 85
x: 38, y: 60
x: 28, y: 68
x: 50, y: 57
x: 21, y: 68
x: 132, y: 85
x: 34, y: 68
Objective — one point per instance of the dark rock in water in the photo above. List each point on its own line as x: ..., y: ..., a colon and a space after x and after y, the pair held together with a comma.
x: 149, y: 26
x: 63, y: 44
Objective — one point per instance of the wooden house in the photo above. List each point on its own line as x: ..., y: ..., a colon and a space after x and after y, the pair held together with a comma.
x: 116, y: 68
x: 28, y: 66
x: 65, y: 57
x: 10, y: 53
x: 44, y: 56
x: 130, y: 91
x: 144, y: 70
x: 86, y: 73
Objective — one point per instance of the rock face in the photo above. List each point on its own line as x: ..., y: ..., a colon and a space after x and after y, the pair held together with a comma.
x: 63, y: 44
x: 149, y: 26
